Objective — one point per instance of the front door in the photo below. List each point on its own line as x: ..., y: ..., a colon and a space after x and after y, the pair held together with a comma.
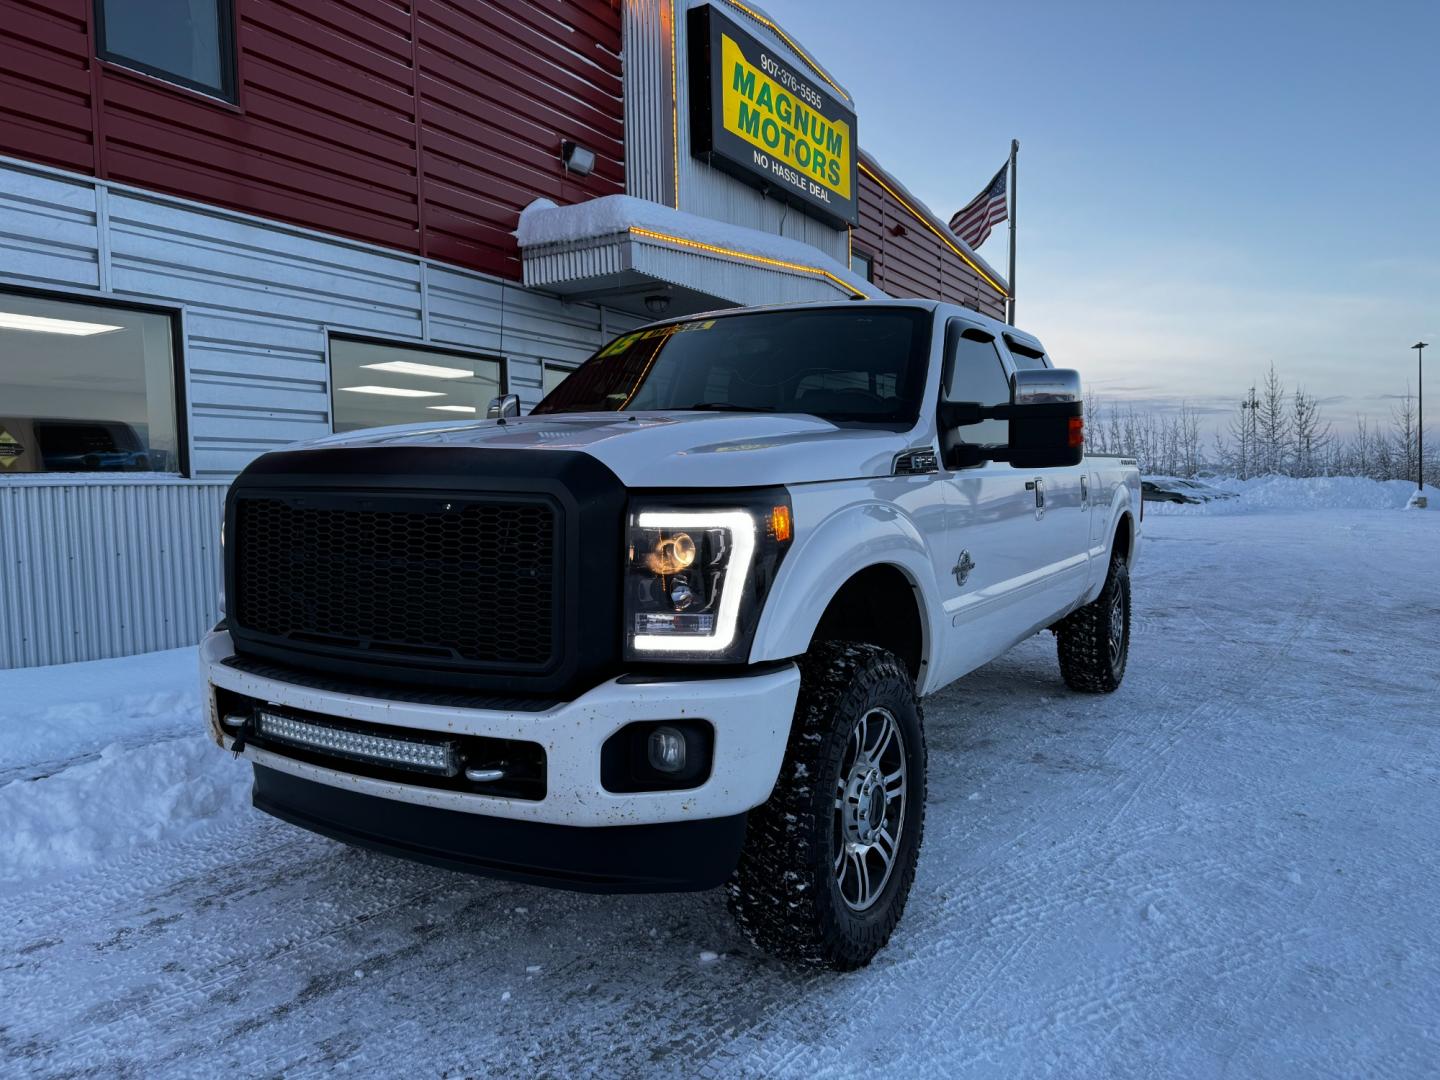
x: 992, y: 527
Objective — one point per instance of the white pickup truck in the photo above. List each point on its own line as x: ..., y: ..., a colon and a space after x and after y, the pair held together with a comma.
x: 671, y: 630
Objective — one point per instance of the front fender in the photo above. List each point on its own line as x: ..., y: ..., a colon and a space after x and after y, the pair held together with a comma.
x: 847, y: 536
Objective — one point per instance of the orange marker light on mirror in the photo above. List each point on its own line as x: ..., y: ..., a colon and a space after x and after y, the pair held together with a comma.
x: 1077, y: 431
x: 780, y: 523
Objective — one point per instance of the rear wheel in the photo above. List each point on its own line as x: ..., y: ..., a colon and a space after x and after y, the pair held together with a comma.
x: 830, y: 858
x: 1094, y: 643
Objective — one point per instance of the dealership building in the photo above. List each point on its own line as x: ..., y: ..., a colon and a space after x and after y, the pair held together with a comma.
x: 228, y: 225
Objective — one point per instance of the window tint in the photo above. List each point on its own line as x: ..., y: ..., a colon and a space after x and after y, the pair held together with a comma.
x: 377, y: 383
x: 189, y: 42
x: 977, y: 374
x: 862, y: 264
x: 85, y: 388
x: 856, y: 363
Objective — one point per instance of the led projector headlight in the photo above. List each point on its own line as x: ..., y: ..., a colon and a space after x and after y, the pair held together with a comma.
x: 697, y: 574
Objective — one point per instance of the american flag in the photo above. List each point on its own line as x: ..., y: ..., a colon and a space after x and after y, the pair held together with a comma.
x: 974, y: 222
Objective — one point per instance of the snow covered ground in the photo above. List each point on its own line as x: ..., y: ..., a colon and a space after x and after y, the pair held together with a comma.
x: 1228, y: 868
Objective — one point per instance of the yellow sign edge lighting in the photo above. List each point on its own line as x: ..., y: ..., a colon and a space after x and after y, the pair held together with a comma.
x: 789, y: 41
x: 747, y: 256
x: 948, y: 241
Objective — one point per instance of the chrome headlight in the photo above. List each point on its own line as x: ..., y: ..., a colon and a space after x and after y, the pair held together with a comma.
x: 697, y: 573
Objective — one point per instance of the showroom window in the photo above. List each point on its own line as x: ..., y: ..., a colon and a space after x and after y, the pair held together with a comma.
x: 553, y: 375
x: 378, y: 383
x: 189, y: 42
x: 86, y: 388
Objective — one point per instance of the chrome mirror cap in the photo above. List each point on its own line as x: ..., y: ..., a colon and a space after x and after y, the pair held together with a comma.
x: 503, y: 406
x: 1043, y: 386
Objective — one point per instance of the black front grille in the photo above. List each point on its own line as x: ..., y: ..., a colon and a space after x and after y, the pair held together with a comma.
x: 472, y: 582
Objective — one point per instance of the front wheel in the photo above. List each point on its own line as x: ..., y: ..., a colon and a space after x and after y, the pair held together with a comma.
x: 830, y: 858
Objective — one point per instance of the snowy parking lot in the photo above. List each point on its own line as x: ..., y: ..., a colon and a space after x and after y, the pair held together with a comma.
x: 1227, y: 868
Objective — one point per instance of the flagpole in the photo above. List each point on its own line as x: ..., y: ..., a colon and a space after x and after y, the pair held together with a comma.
x: 1014, y: 153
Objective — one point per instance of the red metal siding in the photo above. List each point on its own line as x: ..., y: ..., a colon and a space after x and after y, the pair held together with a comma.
x: 916, y: 262
x: 423, y: 125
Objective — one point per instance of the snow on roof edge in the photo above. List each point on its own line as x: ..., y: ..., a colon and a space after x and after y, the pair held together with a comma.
x: 543, y: 222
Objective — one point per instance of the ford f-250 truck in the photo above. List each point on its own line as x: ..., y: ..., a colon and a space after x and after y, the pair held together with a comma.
x: 672, y: 629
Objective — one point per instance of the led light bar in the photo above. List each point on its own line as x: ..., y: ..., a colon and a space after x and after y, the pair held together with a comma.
x: 432, y: 757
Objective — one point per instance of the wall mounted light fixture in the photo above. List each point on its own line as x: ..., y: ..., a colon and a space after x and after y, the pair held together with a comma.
x: 578, y: 159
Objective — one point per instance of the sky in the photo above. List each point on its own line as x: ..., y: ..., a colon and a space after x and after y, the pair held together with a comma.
x: 1205, y: 188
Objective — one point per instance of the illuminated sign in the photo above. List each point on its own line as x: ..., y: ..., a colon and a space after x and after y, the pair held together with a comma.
x: 761, y: 119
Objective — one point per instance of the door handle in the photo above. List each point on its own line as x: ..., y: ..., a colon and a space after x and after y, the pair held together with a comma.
x: 1038, y: 486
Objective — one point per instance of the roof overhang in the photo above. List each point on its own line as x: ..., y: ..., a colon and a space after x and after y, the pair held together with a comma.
x: 619, y: 250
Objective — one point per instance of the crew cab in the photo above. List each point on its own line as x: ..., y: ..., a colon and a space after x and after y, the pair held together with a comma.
x: 671, y: 630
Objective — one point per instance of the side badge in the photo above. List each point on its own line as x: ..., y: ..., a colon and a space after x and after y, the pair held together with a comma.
x: 963, y: 567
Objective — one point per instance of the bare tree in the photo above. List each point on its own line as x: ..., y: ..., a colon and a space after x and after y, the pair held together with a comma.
x: 1244, y: 431
x: 1273, y: 424
x: 1404, y: 431
x: 1309, y: 434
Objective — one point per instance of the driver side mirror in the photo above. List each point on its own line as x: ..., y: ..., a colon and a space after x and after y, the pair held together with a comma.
x: 1047, y: 426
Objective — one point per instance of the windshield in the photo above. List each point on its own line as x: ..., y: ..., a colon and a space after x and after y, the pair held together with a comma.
x: 855, y: 363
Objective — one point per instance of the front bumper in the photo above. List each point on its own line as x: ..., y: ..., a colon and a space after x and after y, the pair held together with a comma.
x: 672, y: 856
x: 750, y: 715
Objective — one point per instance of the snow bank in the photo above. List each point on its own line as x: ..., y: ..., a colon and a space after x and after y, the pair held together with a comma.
x: 1266, y: 493
x: 105, y: 757
x: 125, y: 799
x: 59, y: 712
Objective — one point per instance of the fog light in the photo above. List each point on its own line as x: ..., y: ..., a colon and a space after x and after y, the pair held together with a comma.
x: 667, y: 750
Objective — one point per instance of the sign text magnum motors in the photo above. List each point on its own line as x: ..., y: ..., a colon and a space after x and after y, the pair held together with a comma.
x: 767, y: 122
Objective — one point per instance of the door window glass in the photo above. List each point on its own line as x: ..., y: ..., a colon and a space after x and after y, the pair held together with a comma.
x: 977, y: 374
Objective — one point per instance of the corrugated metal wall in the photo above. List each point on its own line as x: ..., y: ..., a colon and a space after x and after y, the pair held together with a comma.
x: 910, y: 259
x: 106, y: 569
x: 257, y: 301
x: 703, y: 190
x: 425, y: 125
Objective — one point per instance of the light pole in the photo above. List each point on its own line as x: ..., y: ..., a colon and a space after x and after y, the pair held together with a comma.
x: 1419, y: 348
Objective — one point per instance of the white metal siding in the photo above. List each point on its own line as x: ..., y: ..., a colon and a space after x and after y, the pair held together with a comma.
x: 649, y: 121
x: 110, y: 567
x: 106, y: 569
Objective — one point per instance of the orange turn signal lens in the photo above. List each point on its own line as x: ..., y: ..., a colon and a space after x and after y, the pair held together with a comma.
x: 780, y: 523
x: 1077, y: 431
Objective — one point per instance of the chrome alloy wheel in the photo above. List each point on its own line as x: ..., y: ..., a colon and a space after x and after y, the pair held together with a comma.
x: 869, y: 808
x: 1117, y: 625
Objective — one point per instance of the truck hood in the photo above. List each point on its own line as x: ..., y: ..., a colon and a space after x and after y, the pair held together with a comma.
x: 682, y: 449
